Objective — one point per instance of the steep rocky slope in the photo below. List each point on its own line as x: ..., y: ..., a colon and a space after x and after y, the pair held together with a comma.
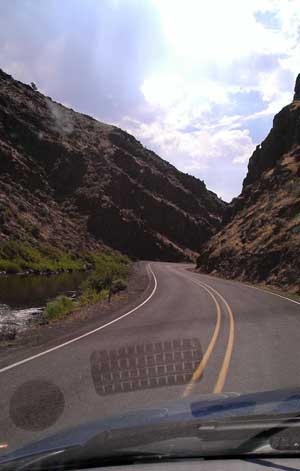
x: 261, y: 242
x: 71, y: 181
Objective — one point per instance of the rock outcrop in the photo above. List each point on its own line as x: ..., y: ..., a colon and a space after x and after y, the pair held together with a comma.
x: 297, y: 89
x: 74, y: 182
x: 261, y: 241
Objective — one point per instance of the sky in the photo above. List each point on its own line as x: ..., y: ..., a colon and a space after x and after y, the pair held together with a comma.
x: 197, y: 81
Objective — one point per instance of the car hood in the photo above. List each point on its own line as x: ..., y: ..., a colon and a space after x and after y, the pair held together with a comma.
x: 204, y: 408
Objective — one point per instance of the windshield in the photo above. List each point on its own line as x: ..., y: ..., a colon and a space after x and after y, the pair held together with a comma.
x: 149, y: 229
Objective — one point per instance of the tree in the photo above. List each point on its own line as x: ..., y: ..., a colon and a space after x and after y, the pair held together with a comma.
x: 106, y: 275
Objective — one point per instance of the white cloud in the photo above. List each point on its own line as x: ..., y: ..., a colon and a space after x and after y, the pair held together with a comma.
x: 217, y: 153
x: 203, y: 31
x: 194, y: 150
x: 208, y: 39
x: 219, y: 51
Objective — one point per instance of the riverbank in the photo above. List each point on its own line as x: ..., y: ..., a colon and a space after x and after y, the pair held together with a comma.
x: 79, y: 321
x: 23, y: 298
x: 74, y: 280
x: 22, y: 258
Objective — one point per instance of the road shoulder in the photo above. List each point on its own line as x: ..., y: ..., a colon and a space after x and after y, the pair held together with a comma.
x: 267, y: 288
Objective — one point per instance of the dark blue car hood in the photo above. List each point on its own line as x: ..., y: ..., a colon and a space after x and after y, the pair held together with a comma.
x: 203, y: 408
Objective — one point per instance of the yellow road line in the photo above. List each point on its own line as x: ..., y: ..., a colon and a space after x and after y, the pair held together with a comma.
x: 202, y: 365
x: 227, y: 357
x: 229, y: 348
x: 198, y: 372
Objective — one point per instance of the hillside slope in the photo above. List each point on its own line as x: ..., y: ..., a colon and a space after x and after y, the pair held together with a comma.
x: 71, y: 181
x: 261, y: 242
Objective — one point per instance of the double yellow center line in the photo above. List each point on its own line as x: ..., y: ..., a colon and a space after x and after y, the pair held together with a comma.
x: 230, y: 342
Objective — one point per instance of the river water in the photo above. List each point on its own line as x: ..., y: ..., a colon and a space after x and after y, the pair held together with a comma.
x: 22, y: 298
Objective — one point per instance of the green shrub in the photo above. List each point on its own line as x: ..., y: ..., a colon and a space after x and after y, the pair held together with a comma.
x: 44, y: 212
x: 35, y: 231
x: 5, y: 214
x: 109, y: 277
x: 91, y: 296
x: 40, y: 258
x: 108, y: 269
x: 59, y: 307
x: 9, y: 267
x: 22, y: 207
x: 118, y: 285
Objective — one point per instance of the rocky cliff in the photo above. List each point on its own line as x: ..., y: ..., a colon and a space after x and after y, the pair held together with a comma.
x: 261, y: 241
x: 74, y: 182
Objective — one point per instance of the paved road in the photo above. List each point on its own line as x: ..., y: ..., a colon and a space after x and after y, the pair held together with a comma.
x: 193, y: 334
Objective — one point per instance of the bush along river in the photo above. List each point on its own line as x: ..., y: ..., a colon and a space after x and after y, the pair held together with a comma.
x: 23, y: 298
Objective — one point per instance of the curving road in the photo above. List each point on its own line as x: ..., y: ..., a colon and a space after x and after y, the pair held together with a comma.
x: 191, y: 334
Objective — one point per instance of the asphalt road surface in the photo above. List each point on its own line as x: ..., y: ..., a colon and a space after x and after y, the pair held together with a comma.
x: 191, y: 334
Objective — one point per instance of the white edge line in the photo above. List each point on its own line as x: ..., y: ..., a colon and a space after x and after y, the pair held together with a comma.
x: 26, y: 360
x: 270, y: 292
x: 250, y: 286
